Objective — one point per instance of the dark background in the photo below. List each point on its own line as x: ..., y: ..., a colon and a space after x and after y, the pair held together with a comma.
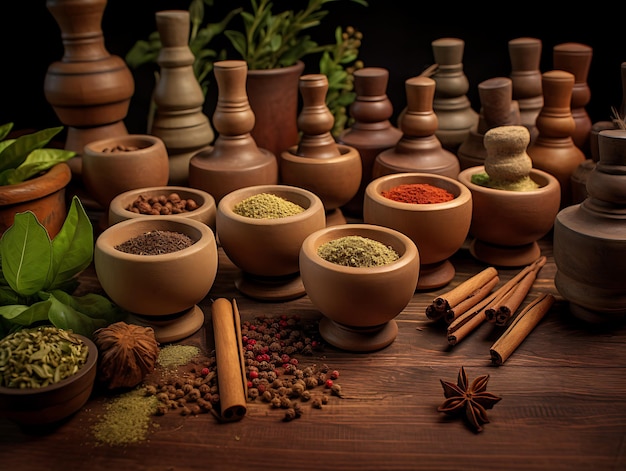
x: 394, y: 37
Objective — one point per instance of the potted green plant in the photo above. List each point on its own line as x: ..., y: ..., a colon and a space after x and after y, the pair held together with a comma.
x: 38, y: 276
x: 33, y: 177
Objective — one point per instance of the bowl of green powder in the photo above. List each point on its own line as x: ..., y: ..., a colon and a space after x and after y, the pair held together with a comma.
x: 261, y: 229
x: 360, y: 277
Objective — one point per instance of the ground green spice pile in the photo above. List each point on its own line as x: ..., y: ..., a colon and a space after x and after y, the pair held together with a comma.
x: 127, y: 419
x: 357, y: 251
x: 266, y: 206
x: 172, y: 356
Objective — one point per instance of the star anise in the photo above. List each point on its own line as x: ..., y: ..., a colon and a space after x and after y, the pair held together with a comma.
x: 472, y: 400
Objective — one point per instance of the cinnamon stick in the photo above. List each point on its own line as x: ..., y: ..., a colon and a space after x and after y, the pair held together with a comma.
x: 513, y: 300
x: 469, y: 290
x: 520, y: 328
x: 478, y: 295
x: 513, y: 282
x: 229, y: 356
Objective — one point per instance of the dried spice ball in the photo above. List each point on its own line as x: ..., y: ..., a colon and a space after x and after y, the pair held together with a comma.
x: 128, y: 353
x: 267, y: 206
x: 357, y: 251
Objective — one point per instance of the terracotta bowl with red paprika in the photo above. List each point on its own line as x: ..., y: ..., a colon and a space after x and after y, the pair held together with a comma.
x: 435, y: 211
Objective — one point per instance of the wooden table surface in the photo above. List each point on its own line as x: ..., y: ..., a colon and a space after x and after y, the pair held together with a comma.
x: 562, y: 403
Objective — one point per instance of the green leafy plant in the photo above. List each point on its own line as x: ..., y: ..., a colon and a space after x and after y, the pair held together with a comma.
x: 38, y: 275
x: 25, y: 157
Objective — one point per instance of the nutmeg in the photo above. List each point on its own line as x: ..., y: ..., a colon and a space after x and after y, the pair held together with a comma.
x: 127, y: 353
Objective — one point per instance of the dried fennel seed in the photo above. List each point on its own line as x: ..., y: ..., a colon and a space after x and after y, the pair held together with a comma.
x: 357, y: 251
x: 39, y: 357
x: 156, y: 243
x: 266, y: 206
x: 127, y: 418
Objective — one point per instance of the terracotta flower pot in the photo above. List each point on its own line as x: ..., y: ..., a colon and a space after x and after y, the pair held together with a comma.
x: 43, y: 195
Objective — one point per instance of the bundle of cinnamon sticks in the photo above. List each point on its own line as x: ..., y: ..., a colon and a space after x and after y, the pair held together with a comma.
x: 474, y: 301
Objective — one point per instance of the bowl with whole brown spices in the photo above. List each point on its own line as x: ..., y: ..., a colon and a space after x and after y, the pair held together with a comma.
x: 158, y: 269
x: 360, y: 277
x: 179, y: 201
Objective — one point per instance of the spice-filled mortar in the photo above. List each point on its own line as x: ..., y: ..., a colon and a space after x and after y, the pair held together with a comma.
x: 360, y: 277
x: 261, y: 229
x: 435, y: 211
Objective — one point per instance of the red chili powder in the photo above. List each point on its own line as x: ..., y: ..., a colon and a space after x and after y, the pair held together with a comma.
x: 420, y: 193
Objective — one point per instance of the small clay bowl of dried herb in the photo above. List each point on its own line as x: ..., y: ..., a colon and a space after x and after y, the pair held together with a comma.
x: 158, y: 269
x: 360, y: 277
x: 435, y: 211
x: 261, y: 229
x: 46, y: 375
x: 178, y: 201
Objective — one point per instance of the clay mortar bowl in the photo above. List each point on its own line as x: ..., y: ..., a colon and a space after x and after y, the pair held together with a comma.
x: 117, y: 164
x: 33, y: 408
x: 506, y: 225
x: 266, y: 250
x: 205, y: 212
x: 438, y: 229
x: 359, y: 304
x: 161, y: 291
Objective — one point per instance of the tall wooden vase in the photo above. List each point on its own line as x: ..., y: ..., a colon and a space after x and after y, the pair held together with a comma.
x: 451, y: 104
x: 273, y: 97
x: 89, y: 89
x: 419, y: 149
x: 319, y: 164
x: 371, y: 132
x: 525, y: 56
x: 590, y: 239
x: 178, y: 120
x: 553, y: 150
x: 234, y: 161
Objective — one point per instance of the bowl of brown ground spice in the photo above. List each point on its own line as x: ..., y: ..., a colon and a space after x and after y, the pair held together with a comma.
x: 261, y: 229
x: 158, y: 269
x: 360, y: 277
x: 435, y: 211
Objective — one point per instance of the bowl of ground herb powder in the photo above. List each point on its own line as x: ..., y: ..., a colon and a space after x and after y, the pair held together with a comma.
x: 158, y: 269
x: 435, y: 211
x: 360, y: 277
x: 46, y: 375
x: 261, y: 229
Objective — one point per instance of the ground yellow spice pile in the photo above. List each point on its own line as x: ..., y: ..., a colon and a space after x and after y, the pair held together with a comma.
x: 127, y: 419
x: 172, y: 356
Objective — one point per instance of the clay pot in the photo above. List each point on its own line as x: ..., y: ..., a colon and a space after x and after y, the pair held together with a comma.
x: 36, y: 407
x: 438, y: 229
x: 205, y: 212
x: 43, y: 195
x: 140, y: 162
x: 161, y: 291
x: 266, y: 250
x: 506, y: 225
x: 359, y: 304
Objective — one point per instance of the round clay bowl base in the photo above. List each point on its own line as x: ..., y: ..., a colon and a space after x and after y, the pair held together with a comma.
x: 172, y: 328
x: 335, y: 217
x: 358, y: 339
x: 270, y: 288
x: 597, y: 317
x: 505, y: 256
x: 435, y: 275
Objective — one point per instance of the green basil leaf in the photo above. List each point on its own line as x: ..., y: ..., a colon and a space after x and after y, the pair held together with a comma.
x: 66, y: 317
x: 72, y: 247
x: 92, y: 305
x: 26, y: 252
x: 26, y: 315
x: 13, y: 155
